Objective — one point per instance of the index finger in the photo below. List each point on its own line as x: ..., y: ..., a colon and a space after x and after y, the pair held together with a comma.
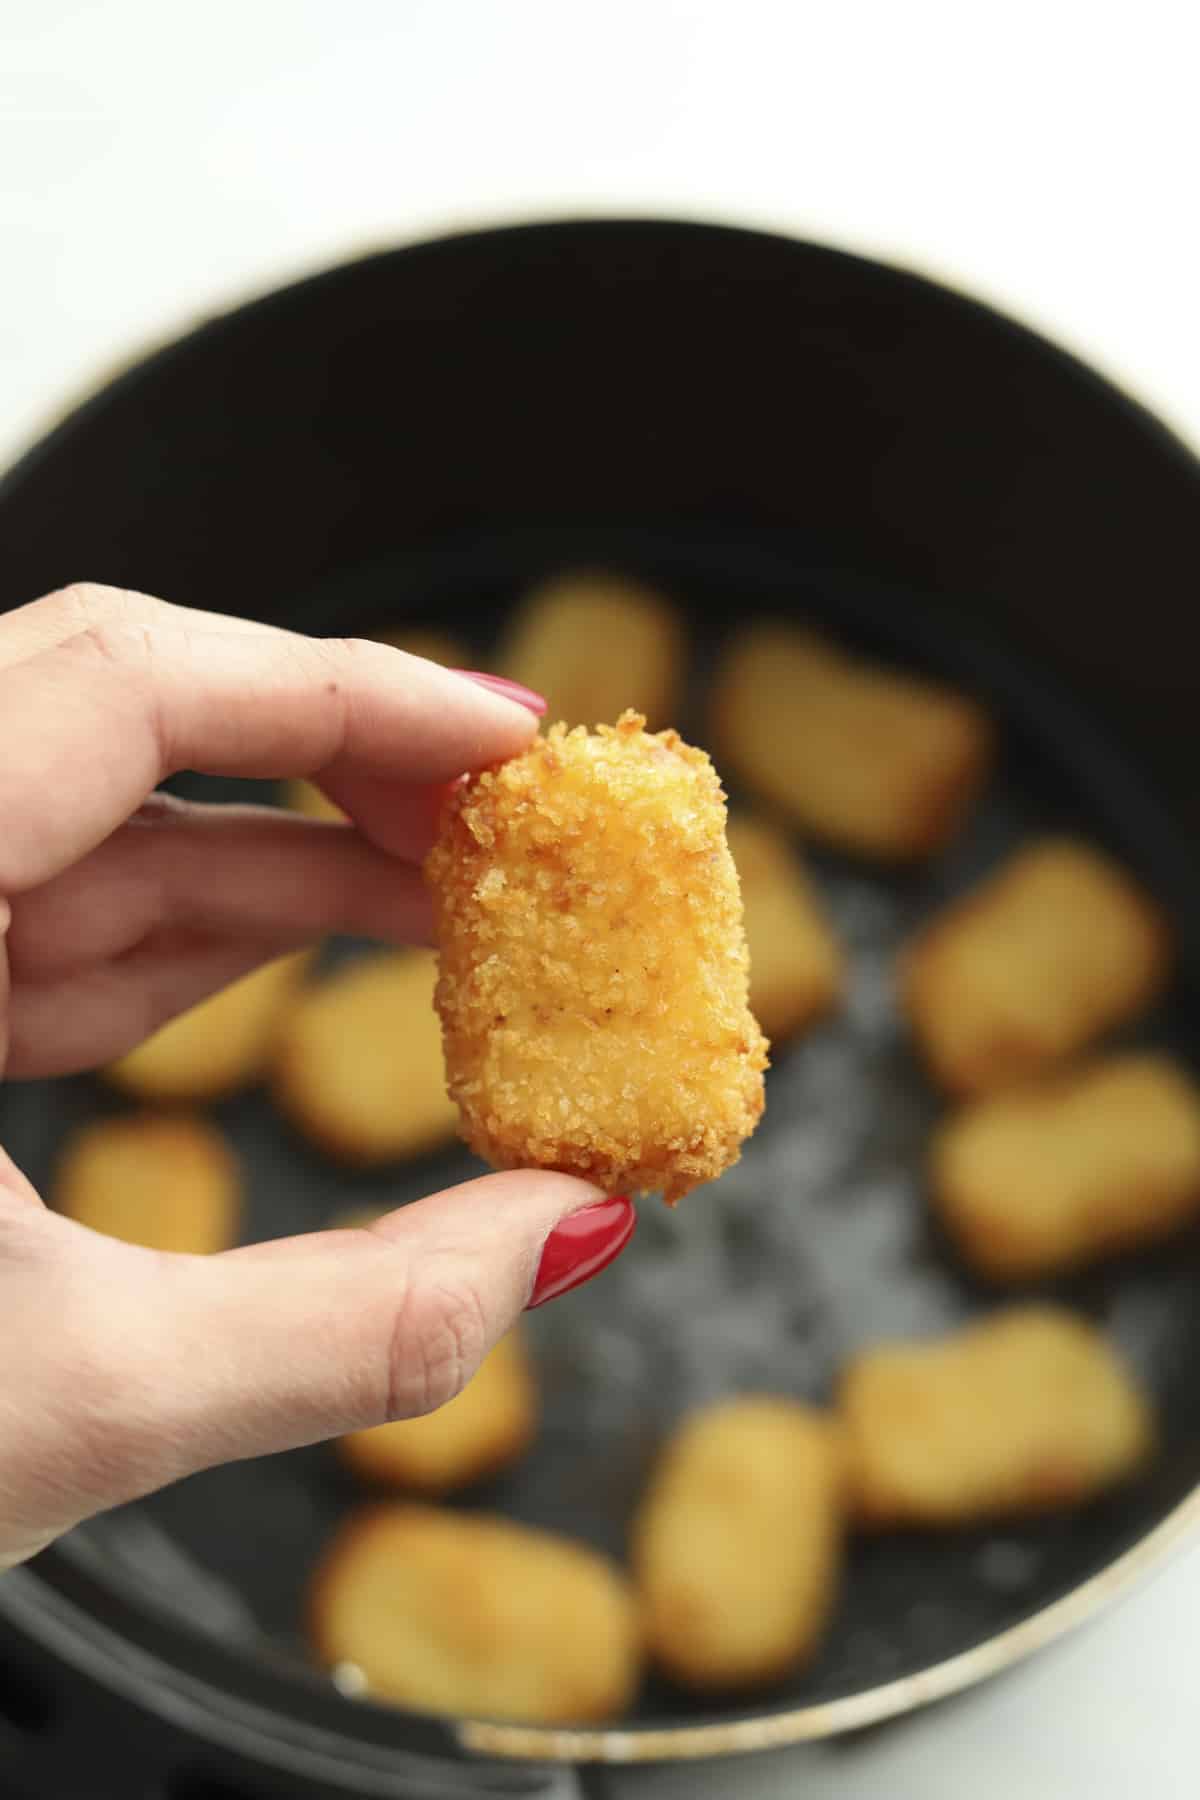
x: 94, y: 723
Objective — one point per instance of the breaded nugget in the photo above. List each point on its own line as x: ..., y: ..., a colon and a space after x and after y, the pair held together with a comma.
x: 464, y: 1613
x: 875, y: 761
x: 168, y: 1182
x: 1028, y: 1411
x: 1038, y: 1180
x: 418, y: 640
x: 595, y: 644
x: 1055, y: 948
x: 737, y: 1543
x: 797, y: 972
x: 359, y: 1067
x: 216, y: 1048
x: 483, y: 1429
x: 593, y: 963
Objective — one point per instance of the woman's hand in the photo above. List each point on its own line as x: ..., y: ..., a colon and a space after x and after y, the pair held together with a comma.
x: 125, y: 1368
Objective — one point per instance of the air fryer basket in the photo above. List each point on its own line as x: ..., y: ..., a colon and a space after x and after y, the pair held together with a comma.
x: 755, y: 425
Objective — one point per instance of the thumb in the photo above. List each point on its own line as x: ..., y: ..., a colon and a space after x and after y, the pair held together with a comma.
x: 189, y: 1361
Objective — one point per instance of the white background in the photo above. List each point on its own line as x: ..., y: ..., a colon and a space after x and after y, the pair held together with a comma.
x: 160, y: 161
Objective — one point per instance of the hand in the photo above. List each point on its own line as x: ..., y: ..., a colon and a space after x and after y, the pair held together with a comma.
x: 125, y: 1368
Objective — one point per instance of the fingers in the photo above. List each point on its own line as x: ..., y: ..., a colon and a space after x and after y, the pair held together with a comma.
x: 81, y: 1021
x: 84, y: 605
x: 5, y: 981
x: 240, y: 702
x: 252, y: 874
x: 169, y: 1364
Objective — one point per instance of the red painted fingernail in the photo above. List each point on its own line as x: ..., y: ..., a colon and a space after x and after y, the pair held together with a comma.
x: 581, y: 1246
x: 511, y: 690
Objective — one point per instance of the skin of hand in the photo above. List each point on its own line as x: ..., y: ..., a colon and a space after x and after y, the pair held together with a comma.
x: 126, y: 1368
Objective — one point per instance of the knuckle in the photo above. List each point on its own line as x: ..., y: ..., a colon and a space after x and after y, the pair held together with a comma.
x: 337, y: 651
x: 127, y: 646
x: 438, y: 1341
x: 85, y: 604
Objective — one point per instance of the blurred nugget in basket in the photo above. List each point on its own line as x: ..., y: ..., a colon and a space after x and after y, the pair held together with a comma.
x: 737, y: 1544
x: 466, y: 1613
x: 1041, y: 1179
x: 359, y: 1066
x: 875, y: 761
x: 797, y: 971
x: 1055, y: 948
x: 423, y: 641
x: 1029, y: 1410
x: 593, y: 986
x: 480, y: 1431
x: 166, y: 1182
x: 595, y: 644
x: 215, y: 1048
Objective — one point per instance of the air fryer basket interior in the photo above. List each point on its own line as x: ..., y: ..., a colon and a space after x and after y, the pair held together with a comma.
x: 756, y: 425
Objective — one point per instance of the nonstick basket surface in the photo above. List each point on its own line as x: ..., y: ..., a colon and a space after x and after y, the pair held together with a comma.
x: 818, y: 1241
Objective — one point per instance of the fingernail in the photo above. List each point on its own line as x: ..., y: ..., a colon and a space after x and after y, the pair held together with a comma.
x: 580, y: 1246
x: 511, y: 690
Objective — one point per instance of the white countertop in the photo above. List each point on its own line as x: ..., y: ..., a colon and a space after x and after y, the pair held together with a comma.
x: 159, y: 162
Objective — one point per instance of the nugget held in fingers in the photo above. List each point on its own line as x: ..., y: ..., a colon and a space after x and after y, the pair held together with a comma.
x: 165, y: 1181
x: 873, y: 760
x: 595, y: 644
x: 737, y: 1543
x: 593, y: 986
x: 1051, y: 951
x: 1030, y: 1410
x: 215, y: 1048
x: 797, y: 971
x: 464, y: 1613
x: 1043, y: 1179
x: 480, y: 1431
x: 359, y: 1066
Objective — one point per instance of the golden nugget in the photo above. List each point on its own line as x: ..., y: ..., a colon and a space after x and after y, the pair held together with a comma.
x: 480, y: 1431
x: 1042, y: 1179
x: 1030, y: 1410
x: 359, y: 1066
x: 465, y: 1613
x: 595, y: 644
x: 737, y: 1544
x: 1055, y: 948
x: 872, y: 760
x: 797, y: 971
x: 593, y: 985
x: 164, y: 1181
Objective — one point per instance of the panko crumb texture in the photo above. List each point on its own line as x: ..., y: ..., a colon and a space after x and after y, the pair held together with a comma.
x: 593, y: 967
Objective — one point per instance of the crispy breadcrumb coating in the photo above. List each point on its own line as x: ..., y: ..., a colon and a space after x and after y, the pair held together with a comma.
x: 593, y: 985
